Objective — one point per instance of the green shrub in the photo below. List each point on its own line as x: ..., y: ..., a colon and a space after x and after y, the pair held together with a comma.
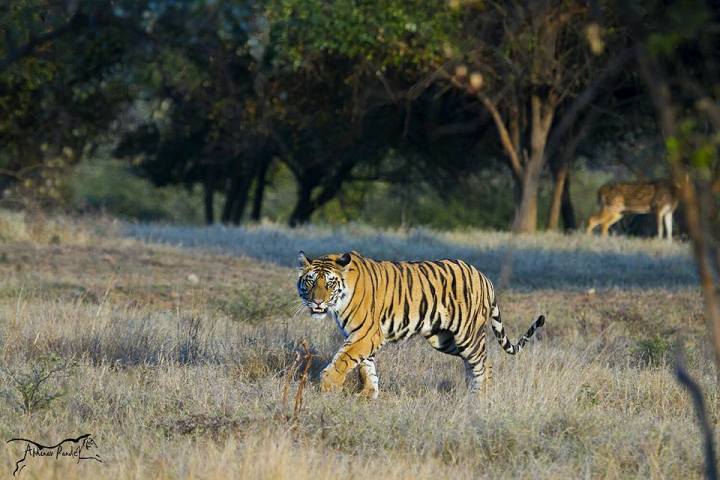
x: 111, y: 186
x: 257, y: 304
x: 36, y: 387
x: 651, y: 351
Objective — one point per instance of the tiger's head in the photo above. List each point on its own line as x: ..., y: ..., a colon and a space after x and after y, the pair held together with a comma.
x: 323, y: 284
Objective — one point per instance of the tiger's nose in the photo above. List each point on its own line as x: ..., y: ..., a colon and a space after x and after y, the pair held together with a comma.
x: 318, y: 301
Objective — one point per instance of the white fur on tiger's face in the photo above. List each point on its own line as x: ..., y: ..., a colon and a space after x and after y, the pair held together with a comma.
x: 321, y: 285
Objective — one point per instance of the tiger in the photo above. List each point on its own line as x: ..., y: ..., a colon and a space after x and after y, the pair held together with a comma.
x: 373, y: 302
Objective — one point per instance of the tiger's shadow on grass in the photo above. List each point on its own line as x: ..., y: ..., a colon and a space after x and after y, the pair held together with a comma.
x: 544, y: 266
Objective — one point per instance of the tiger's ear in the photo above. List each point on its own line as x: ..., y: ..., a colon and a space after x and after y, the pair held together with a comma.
x: 344, y: 260
x: 302, y: 260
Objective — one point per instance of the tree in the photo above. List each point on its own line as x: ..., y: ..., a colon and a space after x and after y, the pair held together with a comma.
x: 353, y: 67
x: 676, y: 48
x: 31, y: 25
x: 560, y: 164
x: 678, y: 61
x: 58, y: 67
x: 237, y: 66
x: 202, y: 66
x: 522, y: 61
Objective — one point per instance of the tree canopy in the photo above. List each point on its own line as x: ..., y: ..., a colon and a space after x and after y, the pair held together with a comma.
x: 220, y: 93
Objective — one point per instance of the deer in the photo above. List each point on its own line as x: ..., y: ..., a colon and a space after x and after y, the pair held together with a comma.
x: 616, y: 199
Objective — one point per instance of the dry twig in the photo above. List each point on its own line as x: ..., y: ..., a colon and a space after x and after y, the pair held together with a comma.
x: 684, y: 378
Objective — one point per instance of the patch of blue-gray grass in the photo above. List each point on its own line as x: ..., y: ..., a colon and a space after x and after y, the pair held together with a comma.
x: 538, y: 261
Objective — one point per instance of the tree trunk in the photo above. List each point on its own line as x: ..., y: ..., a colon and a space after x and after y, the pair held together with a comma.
x: 236, y: 199
x: 559, y: 179
x: 241, y: 200
x: 542, y: 112
x: 230, y: 198
x: 561, y: 205
x: 303, y: 206
x: 209, y: 191
x: 329, y: 187
x: 259, y: 190
x: 567, y: 210
x: 243, y: 175
x: 526, y: 213
x: 560, y: 162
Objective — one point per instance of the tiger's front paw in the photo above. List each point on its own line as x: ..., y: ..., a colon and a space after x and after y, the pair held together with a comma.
x: 370, y: 392
x: 330, y: 380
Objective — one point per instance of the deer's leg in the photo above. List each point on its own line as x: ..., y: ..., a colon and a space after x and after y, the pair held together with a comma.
x: 668, y: 224
x: 597, y: 219
x: 609, y: 219
x: 592, y: 223
x: 659, y: 215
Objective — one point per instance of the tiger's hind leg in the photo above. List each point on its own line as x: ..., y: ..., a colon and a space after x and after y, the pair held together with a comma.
x: 478, y: 375
x: 369, y: 378
x: 474, y: 353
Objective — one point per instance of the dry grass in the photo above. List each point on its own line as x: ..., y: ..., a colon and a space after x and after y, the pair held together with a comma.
x: 182, y: 358
x: 38, y: 228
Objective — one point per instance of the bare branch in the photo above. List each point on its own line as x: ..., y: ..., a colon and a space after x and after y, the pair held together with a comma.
x: 684, y: 378
x: 505, y: 139
x: 660, y: 93
x: 588, y: 95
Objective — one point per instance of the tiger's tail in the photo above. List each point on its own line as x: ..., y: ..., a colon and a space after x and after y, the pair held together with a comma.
x: 502, y: 338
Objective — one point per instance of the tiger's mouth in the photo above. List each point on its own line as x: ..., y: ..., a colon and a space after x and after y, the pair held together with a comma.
x: 318, y: 311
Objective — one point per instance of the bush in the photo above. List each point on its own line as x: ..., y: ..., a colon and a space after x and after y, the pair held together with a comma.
x: 651, y: 351
x: 36, y: 387
x: 110, y: 186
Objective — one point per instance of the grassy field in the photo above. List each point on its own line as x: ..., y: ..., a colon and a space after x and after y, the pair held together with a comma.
x: 175, y: 349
